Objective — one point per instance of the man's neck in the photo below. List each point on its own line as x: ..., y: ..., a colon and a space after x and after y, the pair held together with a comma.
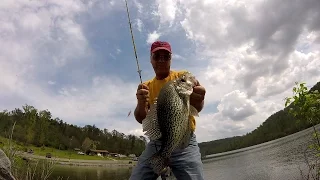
x: 162, y: 76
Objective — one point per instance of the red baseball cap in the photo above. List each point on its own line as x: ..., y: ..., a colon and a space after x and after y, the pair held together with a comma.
x: 157, y: 45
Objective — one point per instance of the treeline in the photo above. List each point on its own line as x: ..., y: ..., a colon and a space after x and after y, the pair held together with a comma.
x: 278, y: 125
x: 38, y: 128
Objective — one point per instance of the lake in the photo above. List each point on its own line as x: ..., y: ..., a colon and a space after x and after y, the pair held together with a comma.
x: 275, y: 160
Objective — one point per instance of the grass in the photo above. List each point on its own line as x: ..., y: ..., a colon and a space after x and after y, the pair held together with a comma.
x: 35, y: 168
x: 56, y: 153
x: 67, y: 154
x: 22, y: 169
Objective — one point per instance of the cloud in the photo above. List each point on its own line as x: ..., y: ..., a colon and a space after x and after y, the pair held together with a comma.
x: 167, y: 11
x: 153, y: 37
x: 44, y: 40
x: 139, y: 24
x: 255, y: 47
x: 255, y: 54
x: 138, y: 5
x: 236, y: 106
x: 51, y: 82
x: 75, y: 58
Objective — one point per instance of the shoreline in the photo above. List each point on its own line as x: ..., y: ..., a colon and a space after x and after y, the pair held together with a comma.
x: 81, y: 162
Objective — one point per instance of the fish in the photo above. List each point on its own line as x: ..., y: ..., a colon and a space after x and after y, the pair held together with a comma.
x: 168, y: 120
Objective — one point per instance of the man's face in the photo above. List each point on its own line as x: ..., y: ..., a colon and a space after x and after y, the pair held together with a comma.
x: 161, y: 61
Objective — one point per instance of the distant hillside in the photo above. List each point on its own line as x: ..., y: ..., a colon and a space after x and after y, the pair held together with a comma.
x: 278, y: 125
x: 40, y: 129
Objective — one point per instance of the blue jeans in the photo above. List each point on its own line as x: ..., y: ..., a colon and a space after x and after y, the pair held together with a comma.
x: 185, y: 163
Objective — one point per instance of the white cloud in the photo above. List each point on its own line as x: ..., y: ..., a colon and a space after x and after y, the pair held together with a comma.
x: 251, y: 51
x: 153, y: 37
x: 137, y: 132
x: 139, y: 6
x: 236, y: 106
x: 43, y: 37
x: 51, y: 82
x: 81, y: 105
x: 251, y: 54
x: 167, y: 11
x: 178, y: 57
x: 254, y: 60
x: 139, y: 24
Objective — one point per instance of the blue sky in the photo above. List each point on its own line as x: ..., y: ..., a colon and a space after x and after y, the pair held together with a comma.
x: 76, y: 59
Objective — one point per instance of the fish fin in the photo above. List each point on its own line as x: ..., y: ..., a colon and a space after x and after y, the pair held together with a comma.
x: 185, y: 140
x: 193, y: 111
x: 159, y: 163
x: 150, y: 124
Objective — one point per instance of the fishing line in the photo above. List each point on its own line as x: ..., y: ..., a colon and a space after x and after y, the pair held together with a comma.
x: 135, y: 53
x: 134, y: 46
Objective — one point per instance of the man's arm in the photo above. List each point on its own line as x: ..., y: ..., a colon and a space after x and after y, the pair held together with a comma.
x: 140, y: 112
x: 142, y: 102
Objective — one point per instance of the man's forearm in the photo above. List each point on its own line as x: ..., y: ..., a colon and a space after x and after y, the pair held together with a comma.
x: 140, y: 113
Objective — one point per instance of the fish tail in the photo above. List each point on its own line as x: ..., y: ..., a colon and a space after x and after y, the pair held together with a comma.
x: 159, y: 163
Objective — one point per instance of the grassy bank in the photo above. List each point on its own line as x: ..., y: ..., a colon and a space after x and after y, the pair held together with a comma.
x: 41, y: 152
x: 32, y: 166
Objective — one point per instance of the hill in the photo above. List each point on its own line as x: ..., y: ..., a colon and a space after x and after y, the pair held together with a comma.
x: 38, y: 128
x: 278, y: 125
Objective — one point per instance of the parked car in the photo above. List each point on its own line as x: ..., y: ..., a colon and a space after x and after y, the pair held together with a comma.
x: 81, y: 153
x: 48, y: 155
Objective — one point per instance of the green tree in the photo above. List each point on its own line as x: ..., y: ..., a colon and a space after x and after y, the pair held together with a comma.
x: 39, y: 128
x: 87, y: 144
x: 305, y: 106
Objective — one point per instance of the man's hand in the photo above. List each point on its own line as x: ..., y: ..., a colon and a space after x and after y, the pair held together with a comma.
x: 197, y: 97
x: 142, y: 94
x: 142, y: 105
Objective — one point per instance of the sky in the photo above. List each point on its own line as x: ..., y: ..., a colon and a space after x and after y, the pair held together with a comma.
x: 76, y: 59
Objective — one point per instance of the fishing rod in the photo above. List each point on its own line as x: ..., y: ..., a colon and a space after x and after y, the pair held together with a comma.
x: 135, y: 53
x: 134, y: 46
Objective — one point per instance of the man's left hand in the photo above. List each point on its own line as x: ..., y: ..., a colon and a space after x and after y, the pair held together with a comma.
x: 198, y: 93
x: 197, y: 96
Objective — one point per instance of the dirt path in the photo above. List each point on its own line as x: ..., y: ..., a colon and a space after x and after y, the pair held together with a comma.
x: 82, y: 162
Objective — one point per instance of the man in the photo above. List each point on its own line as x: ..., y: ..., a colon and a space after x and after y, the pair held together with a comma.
x: 184, y: 163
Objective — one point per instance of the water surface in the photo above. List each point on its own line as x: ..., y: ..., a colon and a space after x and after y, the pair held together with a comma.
x: 280, y: 159
x: 90, y: 173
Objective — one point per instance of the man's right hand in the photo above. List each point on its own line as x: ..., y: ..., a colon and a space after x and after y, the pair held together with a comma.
x: 142, y: 95
x: 143, y: 98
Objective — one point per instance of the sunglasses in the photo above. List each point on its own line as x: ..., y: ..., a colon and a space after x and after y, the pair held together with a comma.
x: 165, y: 57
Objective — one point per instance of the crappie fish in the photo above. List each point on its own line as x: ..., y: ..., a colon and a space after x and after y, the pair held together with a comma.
x: 168, y: 119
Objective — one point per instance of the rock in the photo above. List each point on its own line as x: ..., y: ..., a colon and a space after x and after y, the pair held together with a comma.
x: 5, y: 167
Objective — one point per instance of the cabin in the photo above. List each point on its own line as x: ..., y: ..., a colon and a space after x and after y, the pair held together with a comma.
x: 132, y: 155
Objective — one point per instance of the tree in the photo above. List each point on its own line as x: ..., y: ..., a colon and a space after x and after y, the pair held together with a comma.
x: 86, y: 145
x: 305, y: 106
x: 39, y: 128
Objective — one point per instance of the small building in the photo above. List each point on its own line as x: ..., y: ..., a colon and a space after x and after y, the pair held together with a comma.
x: 132, y: 155
x: 122, y: 156
x: 96, y: 152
